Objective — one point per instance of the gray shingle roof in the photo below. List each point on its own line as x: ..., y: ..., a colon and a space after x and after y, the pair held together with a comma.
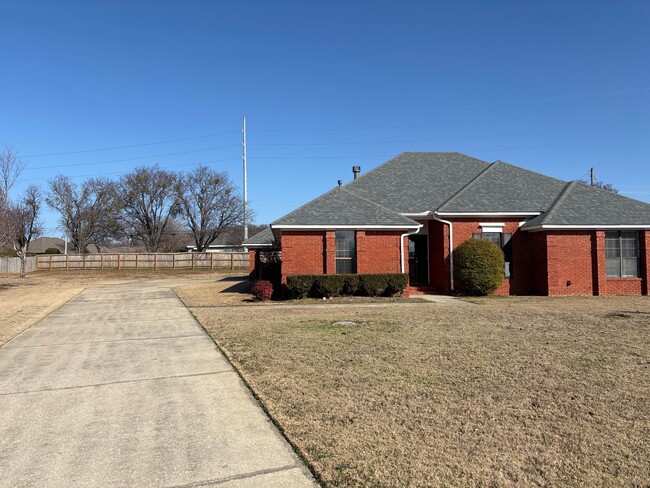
x: 340, y: 207
x: 503, y: 187
x: 415, y: 182
x: 579, y: 204
x: 261, y: 239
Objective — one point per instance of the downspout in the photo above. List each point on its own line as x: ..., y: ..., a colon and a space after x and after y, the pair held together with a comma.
x: 401, y: 245
x: 451, y: 250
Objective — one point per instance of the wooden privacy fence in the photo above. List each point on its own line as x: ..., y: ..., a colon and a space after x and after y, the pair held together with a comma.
x: 181, y: 260
x: 12, y: 265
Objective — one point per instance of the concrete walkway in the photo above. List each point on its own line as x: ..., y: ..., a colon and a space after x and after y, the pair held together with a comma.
x: 121, y: 387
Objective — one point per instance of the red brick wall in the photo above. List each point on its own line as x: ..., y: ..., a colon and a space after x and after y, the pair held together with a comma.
x: 569, y: 262
x: 315, y: 252
x: 303, y: 252
x: 379, y: 252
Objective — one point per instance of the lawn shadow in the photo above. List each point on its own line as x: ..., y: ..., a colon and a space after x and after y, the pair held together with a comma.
x: 242, y: 286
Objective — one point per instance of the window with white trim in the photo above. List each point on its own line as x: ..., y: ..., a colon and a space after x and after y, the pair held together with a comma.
x: 504, y: 241
x: 346, y: 252
x: 622, y: 254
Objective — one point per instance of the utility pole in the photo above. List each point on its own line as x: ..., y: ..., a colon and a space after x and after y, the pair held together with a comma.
x: 593, y: 180
x: 245, y: 182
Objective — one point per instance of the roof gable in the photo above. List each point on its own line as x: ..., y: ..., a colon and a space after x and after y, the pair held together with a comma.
x: 339, y: 207
x: 583, y: 205
x: 503, y: 187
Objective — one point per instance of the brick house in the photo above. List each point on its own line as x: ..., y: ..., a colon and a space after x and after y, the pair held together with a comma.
x: 410, y: 213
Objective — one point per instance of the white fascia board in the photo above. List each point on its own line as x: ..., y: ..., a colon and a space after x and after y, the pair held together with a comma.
x: 586, y: 227
x: 488, y: 214
x: 332, y: 227
x: 417, y: 214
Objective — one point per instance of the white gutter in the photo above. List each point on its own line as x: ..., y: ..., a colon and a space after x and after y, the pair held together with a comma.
x: 401, y: 245
x: 451, y: 250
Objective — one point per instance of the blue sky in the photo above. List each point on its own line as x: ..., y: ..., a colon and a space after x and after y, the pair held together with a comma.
x: 553, y: 86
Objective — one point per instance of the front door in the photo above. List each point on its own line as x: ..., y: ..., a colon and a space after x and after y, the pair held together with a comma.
x: 418, y: 260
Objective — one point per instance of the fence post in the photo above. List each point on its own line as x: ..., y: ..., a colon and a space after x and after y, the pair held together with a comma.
x: 211, y: 260
x: 118, y: 261
x: 155, y: 261
x: 101, y: 261
x: 192, y: 254
x: 50, y: 267
x: 66, y: 262
x: 174, y: 261
x: 136, y: 261
x: 232, y: 260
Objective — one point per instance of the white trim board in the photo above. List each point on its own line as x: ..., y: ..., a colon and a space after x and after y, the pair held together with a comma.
x: 333, y: 227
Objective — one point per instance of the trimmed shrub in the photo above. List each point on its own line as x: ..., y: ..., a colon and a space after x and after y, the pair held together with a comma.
x: 328, y: 285
x: 479, y: 266
x: 52, y: 250
x: 262, y: 290
x: 397, y: 283
x: 350, y: 284
x: 383, y: 284
x: 300, y: 286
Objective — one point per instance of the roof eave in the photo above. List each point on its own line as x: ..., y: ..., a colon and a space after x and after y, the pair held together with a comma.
x: 540, y: 227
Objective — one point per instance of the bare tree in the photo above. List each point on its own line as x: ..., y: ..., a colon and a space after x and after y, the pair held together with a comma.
x: 10, y: 168
x: 210, y: 204
x: 20, y: 224
x: 600, y: 184
x: 86, y: 210
x: 149, y: 201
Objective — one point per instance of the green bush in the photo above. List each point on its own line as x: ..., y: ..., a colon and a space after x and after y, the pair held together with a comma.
x: 52, y: 250
x: 397, y: 283
x: 328, y: 285
x: 318, y: 286
x: 479, y: 266
x: 383, y: 284
x: 350, y: 284
x: 300, y: 286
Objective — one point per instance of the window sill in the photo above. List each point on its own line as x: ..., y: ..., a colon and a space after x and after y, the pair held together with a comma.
x: 626, y: 278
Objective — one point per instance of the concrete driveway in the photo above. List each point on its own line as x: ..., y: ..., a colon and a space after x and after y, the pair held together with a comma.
x: 121, y: 387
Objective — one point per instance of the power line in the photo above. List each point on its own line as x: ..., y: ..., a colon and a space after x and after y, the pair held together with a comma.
x: 134, y: 159
x: 124, y: 172
x: 130, y: 146
x: 405, y: 140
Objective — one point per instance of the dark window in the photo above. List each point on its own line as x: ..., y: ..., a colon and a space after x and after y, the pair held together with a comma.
x: 504, y: 241
x: 622, y: 254
x: 346, y: 252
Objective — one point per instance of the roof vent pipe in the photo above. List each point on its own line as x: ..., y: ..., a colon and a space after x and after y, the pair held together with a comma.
x: 356, y: 170
x: 340, y: 182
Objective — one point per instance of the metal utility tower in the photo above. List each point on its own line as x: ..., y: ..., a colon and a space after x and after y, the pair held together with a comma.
x: 245, y: 182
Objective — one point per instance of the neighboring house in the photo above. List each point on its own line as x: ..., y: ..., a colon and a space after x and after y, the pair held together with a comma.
x: 406, y: 215
x: 41, y: 244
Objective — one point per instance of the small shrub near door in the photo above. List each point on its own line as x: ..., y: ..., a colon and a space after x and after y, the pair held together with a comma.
x: 262, y: 290
x: 479, y: 266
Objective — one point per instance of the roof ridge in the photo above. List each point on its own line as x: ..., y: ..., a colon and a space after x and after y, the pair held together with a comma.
x: 374, y: 203
x: 411, y: 152
x: 469, y: 184
x: 558, y: 200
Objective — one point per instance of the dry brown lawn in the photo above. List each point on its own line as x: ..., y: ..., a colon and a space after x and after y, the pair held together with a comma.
x: 509, y: 392
x: 24, y: 301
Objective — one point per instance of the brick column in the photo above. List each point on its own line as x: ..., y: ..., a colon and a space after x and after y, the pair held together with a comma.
x: 252, y: 264
x: 362, y: 257
x: 330, y: 252
x: 644, y: 251
x: 599, y: 267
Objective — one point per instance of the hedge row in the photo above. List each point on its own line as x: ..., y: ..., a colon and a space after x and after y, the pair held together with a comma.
x: 318, y: 286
